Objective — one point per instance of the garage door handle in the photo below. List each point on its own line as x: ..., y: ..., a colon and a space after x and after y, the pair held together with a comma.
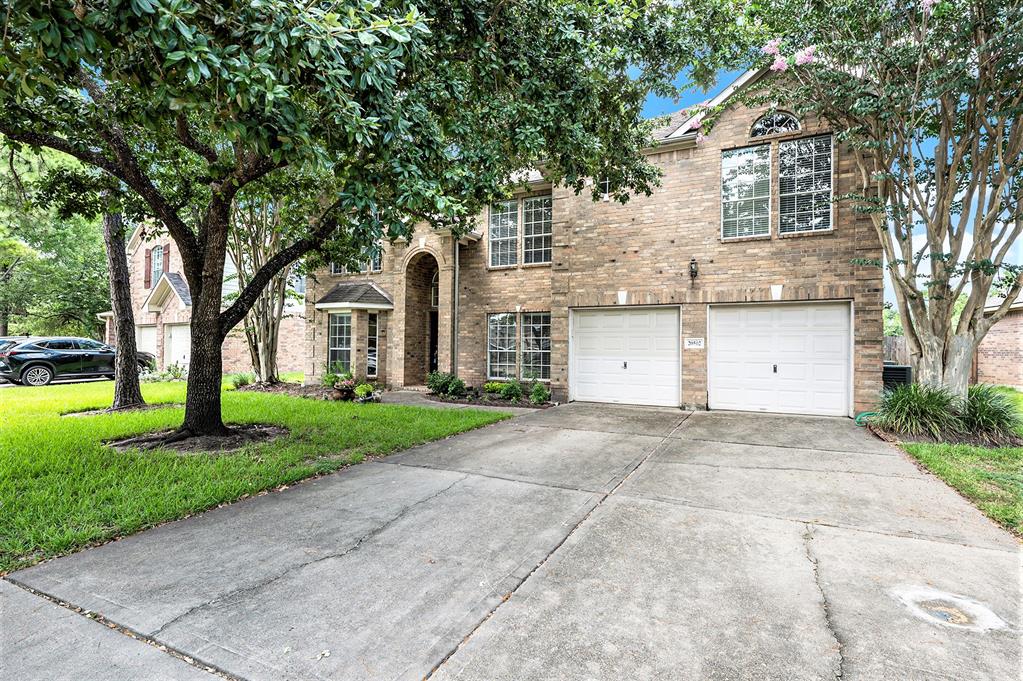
x: 625, y: 365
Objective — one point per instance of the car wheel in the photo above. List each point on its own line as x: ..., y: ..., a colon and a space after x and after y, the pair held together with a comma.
x: 109, y: 376
x: 36, y: 376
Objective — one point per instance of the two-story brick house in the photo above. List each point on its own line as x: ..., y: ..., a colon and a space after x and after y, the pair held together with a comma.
x: 162, y: 306
x: 731, y: 287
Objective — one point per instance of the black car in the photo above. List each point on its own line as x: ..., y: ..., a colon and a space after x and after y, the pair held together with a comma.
x: 37, y: 361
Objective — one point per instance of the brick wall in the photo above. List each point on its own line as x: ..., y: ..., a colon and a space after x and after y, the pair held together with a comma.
x: 1000, y: 355
x: 642, y: 250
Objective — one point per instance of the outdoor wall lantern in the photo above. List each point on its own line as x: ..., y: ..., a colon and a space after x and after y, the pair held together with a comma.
x: 694, y: 269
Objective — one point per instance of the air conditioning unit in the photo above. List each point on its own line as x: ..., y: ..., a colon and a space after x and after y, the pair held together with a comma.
x: 895, y: 375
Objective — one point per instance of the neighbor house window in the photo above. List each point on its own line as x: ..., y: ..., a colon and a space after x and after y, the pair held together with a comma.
x: 774, y: 123
x: 504, y: 234
x: 337, y: 268
x: 371, y: 345
x: 156, y: 265
x: 501, y: 345
x: 536, y: 345
x: 746, y: 192
x: 804, y: 178
x: 339, y: 341
x: 537, y: 229
x: 376, y: 260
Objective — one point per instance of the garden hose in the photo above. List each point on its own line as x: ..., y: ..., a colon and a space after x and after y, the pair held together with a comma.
x: 861, y: 418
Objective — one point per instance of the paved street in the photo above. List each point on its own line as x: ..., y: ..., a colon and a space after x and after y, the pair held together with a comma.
x: 580, y: 542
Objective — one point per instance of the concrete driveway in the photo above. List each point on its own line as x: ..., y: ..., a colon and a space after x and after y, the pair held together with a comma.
x: 581, y: 542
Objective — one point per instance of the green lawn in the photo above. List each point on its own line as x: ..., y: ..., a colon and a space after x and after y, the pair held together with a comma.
x: 991, y: 477
x: 61, y: 489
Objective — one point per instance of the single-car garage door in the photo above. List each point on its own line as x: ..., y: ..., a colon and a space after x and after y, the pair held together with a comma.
x: 177, y: 344
x: 789, y: 358
x: 145, y: 338
x: 625, y: 355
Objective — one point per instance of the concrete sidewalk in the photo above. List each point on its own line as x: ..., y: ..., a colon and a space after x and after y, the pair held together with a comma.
x: 580, y: 542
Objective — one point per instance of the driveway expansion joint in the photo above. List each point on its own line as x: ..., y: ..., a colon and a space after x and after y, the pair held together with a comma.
x: 825, y: 603
x: 546, y: 558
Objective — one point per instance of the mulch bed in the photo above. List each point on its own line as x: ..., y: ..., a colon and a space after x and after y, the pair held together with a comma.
x: 967, y: 439
x: 484, y: 401
x: 315, y: 392
x: 239, y: 436
x: 144, y: 407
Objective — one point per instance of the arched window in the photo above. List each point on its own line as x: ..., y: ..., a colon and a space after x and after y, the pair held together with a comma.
x: 773, y: 123
x: 156, y: 264
x: 435, y: 290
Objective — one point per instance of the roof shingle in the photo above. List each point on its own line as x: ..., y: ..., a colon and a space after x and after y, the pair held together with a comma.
x: 360, y: 293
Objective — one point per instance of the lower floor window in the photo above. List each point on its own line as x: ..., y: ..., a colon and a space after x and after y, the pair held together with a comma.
x: 536, y: 346
x: 502, y: 345
x: 371, y: 345
x: 339, y: 341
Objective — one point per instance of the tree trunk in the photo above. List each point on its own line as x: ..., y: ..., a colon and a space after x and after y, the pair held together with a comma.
x: 127, y: 391
x: 945, y: 365
x: 205, y: 371
x: 4, y: 316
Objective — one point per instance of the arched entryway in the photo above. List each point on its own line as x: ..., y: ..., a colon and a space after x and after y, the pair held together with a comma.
x: 422, y: 276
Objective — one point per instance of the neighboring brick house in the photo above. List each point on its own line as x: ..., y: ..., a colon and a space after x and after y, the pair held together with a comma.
x: 1000, y: 355
x: 163, y: 309
x: 731, y: 287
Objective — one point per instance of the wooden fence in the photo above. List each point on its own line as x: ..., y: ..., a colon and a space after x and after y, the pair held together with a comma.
x: 896, y: 349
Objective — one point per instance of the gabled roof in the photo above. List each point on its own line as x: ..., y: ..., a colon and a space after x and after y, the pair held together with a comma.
x: 361, y: 295
x: 168, y: 283
x: 684, y: 124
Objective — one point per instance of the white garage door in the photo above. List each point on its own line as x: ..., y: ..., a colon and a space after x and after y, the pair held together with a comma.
x: 625, y: 355
x: 792, y: 358
x: 145, y: 338
x: 177, y: 344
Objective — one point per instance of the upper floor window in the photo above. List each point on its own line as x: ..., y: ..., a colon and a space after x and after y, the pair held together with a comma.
x: 337, y: 268
x: 804, y: 192
x: 504, y: 234
x: 746, y: 192
x: 773, y: 123
x: 375, y: 263
x: 156, y: 264
x: 537, y: 230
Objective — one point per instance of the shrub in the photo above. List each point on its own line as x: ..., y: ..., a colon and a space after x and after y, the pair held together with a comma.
x: 512, y: 390
x: 493, y: 387
x: 363, y: 390
x: 456, y: 388
x: 335, y: 373
x: 539, y: 394
x: 439, y: 382
x: 919, y: 410
x: 241, y: 380
x: 991, y: 414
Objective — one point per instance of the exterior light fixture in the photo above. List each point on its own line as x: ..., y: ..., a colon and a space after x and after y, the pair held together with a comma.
x: 694, y: 269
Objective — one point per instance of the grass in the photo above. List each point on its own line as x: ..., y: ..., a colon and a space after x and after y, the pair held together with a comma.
x: 990, y: 477
x: 61, y: 489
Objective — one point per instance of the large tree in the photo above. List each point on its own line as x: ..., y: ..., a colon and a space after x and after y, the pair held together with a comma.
x: 421, y: 112
x: 927, y: 96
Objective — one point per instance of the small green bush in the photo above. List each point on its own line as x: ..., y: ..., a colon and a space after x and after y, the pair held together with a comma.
x: 917, y: 409
x: 241, y: 380
x: 539, y: 394
x: 334, y: 374
x: 493, y: 387
x: 512, y: 390
x: 990, y: 414
x: 438, y: 382
x: 363, y: 390
x: 456, y: 388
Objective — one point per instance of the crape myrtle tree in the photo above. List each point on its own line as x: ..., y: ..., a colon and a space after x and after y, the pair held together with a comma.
x: 419, y: 111
x: 927, y: 95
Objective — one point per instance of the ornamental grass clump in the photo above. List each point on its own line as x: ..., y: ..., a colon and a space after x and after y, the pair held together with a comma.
x: 989, y: 413
x: 919, y: 410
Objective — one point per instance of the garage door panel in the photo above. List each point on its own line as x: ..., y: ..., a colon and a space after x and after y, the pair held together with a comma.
x: 809, y: 343
x: 625, y: 355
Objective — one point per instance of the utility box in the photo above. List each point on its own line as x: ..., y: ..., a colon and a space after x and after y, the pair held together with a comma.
x: 895, y: 375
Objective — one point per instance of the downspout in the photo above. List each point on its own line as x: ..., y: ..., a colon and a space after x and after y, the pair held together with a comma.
x: 454, y: 311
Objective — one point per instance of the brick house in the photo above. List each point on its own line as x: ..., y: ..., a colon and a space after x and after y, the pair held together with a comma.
x: 1000, y: 355
x: 730, y: 287
x: 163, y: 310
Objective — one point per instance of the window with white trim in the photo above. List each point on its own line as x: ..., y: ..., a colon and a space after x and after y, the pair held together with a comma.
x: 502, y: 345
x: 435, y: 290
x: 339, y: 341
x: 537, y: 230
x: 774, y: 123
x: 376, y: 259
x: 337, y: 269
x: 504, y: 234
x: 156, y: 264
x: 804, y: 185
x: 536, y: 346
x: 746, y: 192
x: 371, y: 345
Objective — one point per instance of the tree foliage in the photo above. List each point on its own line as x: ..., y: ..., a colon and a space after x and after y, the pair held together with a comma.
x: 927, y: 97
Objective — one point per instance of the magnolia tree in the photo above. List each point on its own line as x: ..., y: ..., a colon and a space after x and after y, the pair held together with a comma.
x: 418, y: 112
x: 927, y: 97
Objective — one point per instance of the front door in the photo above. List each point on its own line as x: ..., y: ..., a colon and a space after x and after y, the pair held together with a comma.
x: 433, y: 340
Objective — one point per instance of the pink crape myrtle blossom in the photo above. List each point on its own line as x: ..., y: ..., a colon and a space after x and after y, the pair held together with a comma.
x: 805, y: 56
x: 772, y: 46
x: 780, y: 64
x: 697, y: 123
x: 928, y: 5
x: 700, y: 137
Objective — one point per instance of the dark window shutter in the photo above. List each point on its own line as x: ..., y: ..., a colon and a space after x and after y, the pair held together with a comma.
x: 166, y: 258
x: 148, y: 276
